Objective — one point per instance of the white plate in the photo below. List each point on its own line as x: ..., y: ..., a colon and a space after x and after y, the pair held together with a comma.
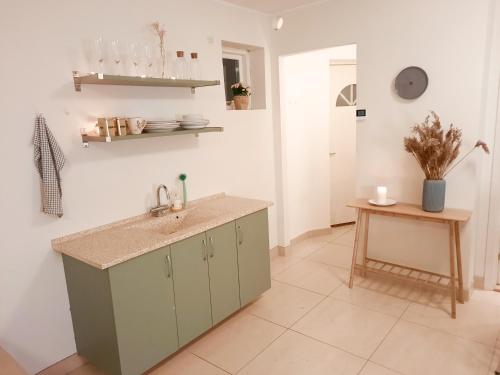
x: 155, y: 121
x: 389, y: 202
x: 195, y: 122
x: 158, y: 130
x: 199, y: 126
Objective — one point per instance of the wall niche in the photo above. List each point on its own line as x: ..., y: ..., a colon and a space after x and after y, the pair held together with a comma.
x: 244, y: 63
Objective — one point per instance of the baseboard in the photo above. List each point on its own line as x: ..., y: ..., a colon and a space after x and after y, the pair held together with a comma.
x: 478, y: 282
x: 275, y: 251
x: 8, y: 365
x: 343, y: 224
x: 65, y: 365
x: 311, y: 233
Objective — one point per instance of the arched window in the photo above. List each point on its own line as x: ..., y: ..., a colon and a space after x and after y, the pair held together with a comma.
x: 347, y: 96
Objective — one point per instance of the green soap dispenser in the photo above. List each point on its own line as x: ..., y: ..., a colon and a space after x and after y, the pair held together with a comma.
x: 183, y: 178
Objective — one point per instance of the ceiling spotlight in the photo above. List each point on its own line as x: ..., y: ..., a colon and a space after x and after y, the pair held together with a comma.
x: 277, y: 23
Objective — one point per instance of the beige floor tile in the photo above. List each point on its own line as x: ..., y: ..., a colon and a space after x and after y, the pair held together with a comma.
x: 488, y: 296
x: 476, y: 321
x: 415, y: 350
x: 305, y: 247
x: 284, y: 304
x: 186, y: 363
x: 333, y: 254
x: 281, y: 263
x: 87, y: 369
x: 233, y: 344
x: 295, y: 354
x: 346, y: 239
x: 336, y: 233
x: 366, y: 298
x: 317, y: 277
x: 495, y: 361
x: 351, y: 328
x: 65, y: 366
x: 374, y: 369
x: 390, y: 286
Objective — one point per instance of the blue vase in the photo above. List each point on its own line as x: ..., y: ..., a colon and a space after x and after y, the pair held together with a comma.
x: 433, y: 197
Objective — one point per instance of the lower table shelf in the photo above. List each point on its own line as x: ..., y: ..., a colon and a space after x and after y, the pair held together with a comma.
x: 422, y: 277
x: 90, y: 138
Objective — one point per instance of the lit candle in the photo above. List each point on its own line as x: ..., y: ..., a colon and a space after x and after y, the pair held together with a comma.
x: 382, y: 194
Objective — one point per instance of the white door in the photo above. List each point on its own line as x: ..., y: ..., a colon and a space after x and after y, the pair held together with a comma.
x: 342, y: 141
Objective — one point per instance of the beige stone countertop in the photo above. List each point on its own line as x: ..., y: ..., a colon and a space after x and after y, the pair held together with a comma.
x: 114, y: 243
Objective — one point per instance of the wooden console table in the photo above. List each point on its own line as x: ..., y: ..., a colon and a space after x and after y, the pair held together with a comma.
x: 452, y: 217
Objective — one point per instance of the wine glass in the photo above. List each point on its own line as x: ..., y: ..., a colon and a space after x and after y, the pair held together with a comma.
x: 115, y: 49
x: 99, y: 52
x: 149, y: 57
x: 135, y: 57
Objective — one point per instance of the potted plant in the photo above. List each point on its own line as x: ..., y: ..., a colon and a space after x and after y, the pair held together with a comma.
x: 436, y: 151
x: 241, y: 95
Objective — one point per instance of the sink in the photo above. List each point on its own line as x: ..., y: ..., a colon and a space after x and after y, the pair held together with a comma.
x: 177, y: 221
x: 167, y: 224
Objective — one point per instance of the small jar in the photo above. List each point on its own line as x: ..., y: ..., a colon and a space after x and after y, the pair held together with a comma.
x: 194, y: 67
x: 180, y: 66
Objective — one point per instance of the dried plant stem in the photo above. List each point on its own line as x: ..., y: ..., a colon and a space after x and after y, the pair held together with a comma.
x: 161, y: 36
x: 478, y: 144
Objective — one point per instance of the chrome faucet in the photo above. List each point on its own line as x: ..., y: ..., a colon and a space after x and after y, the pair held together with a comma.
x: 161, y: 210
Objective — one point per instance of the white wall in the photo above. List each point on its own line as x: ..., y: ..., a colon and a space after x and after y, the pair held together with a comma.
x: 305, y: 108
x: 447, y: 38
x: 41, y: 44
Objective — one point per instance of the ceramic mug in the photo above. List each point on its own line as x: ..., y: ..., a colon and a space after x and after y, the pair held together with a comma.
x: 136, y: 125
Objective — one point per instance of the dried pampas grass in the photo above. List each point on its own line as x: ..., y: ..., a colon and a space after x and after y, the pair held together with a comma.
x: 434, y: 149
x: 161, y: 38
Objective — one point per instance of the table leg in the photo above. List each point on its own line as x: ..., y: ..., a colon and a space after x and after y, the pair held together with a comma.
x: 459, y: 263
x: 355, y: 248
x: 452, y: 271
x: 365, y: 245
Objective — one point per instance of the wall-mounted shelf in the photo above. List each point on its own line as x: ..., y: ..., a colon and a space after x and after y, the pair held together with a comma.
x: 108, y: 79
x: 90, y: 138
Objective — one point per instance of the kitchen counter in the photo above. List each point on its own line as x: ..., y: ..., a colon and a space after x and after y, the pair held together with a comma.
x: 112, y: 244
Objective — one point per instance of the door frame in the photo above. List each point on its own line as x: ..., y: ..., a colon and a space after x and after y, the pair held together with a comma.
x: 332, y: 63
x: 491, y: 266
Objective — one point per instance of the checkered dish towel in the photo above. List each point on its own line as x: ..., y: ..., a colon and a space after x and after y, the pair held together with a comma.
x: 49, y: 160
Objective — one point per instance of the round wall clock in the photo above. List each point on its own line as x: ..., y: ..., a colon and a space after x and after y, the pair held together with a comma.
x: 411, y: 82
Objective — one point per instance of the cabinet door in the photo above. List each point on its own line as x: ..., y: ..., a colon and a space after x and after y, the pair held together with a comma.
x: 223, y: 270
x: 253, y: 256
x: 191, y: 286
x: 144, y: 311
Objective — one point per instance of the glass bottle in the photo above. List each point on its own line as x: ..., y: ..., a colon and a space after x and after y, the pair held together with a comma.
x: 180, y: 70
x: 195, y: 71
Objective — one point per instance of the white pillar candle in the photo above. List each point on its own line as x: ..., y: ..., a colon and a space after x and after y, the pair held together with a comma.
x: 382, y: 194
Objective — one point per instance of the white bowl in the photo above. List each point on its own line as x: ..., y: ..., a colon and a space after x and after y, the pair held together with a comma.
x: 192, y: 117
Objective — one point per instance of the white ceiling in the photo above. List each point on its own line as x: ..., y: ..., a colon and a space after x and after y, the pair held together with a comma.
x: 271, y: 6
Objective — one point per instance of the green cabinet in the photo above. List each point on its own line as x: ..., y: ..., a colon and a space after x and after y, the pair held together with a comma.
x: 131, y: 316
x: 253, y: 256
x: 192, y: 289
x: 223, y: 271
x: 124, y: 317
x: 143, y: 302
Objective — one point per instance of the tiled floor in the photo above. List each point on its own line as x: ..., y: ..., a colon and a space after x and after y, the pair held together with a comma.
x: 310, y: 323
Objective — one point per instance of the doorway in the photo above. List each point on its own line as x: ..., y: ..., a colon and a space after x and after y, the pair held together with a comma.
x: 308, y: 91
x: 342, y: 140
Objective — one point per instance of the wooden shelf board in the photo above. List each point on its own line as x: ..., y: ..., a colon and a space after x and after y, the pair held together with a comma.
x: 108, y: 79
x: 89, y: 138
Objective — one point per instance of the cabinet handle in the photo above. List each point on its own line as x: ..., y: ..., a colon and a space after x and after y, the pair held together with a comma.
x: 212, y: 246
x: 169, y: 266
x: 204, y: 251
x: 240, y: 235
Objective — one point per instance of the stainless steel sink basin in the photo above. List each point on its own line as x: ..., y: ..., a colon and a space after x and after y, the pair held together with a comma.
x: 176, y: 221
